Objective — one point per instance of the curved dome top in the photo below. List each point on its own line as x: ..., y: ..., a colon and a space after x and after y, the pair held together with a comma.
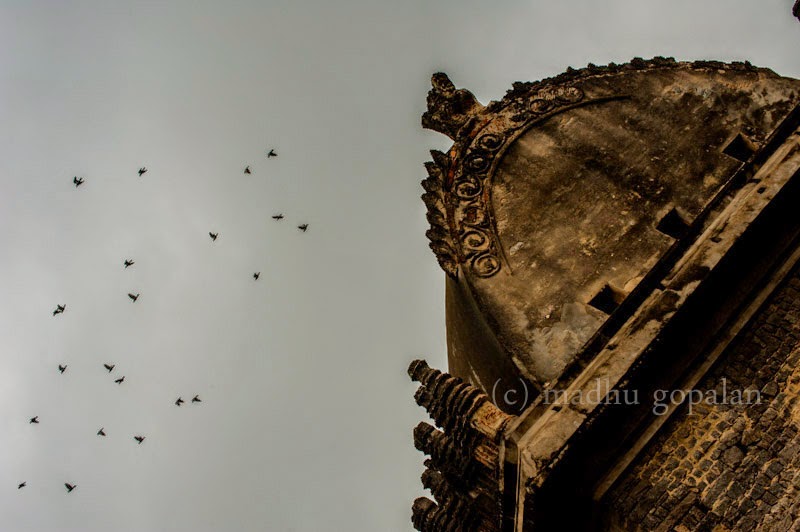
x: 556, y: 203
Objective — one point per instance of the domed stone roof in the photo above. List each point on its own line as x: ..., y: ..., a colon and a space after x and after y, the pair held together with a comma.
x: 558, y: 205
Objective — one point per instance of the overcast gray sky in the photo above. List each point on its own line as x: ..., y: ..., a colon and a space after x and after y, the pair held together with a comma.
x: 307, y: 412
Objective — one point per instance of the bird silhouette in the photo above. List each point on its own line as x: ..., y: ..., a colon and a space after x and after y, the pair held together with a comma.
x: 133, y: 297
x: 213, y: 235
x: 101, y: 432
x: 21, y: 485
x: 119, y: 381
x: 196, y: 399
x: 179, y: 402
x: 78, y: 181
x: 70, y: 487
x: 278, y: 217
x: 34, y: 419
x: 271, y: 153
x: 140, y: 439
x: 109, y: 368
x: 59, y: 309
x: 303, y: 227
x: 142, y: 170
x: 255, y: 275
x: 61, y: 368
x: 247, y: 170
x: 129, y: 262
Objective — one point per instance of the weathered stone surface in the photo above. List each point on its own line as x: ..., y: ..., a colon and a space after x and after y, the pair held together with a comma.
x: 753, y: 487
x: 510, y: 221
x: 464, y: 466
x: 449, y: 110
x: 616, y: 229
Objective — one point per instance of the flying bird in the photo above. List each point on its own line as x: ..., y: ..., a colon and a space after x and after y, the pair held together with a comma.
x: 61, y: 368
x: 179, y: 402
x: 21, y: 485
x: 119, y: 381
x: 278, y: 217
x: 78, y: 181
x: 34, y: 419
x: 303, y: 227
x: 140, y: 439
x: 271, y: 153
x: 109, y: 368
x: 69, y: 486
x: 196, y: 399
x: 213, y: 235
x: 255, y: 275
x: 133, y: 297
x: 101, y: 432
x: 129, y: 262
x: 247, y: 170
x: 59, y: 309
x: 142, y: 170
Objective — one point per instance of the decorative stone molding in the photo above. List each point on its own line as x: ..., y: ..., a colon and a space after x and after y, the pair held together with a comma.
x: 449, y: 109
x: 715, y: 145
x: 453, y: 405
x: 455, y: 515
x: 463, y: 230
x: 464, y: 465
x: 457, y: 188
x: 445, y: 456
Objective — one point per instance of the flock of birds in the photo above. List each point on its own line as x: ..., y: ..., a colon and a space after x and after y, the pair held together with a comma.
x: 109, y: 367
x: 78, y: 181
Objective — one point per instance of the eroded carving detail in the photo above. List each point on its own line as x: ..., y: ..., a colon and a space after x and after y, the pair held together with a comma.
x: 462, y: 229
x: 463, y: 471
x: 449, y: 109
x: 439, y: 234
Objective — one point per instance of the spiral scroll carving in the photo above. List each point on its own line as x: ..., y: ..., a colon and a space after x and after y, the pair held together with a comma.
x: 457, y: 189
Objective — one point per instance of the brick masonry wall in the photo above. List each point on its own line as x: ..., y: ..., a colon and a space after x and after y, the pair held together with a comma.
x: 728, y: 467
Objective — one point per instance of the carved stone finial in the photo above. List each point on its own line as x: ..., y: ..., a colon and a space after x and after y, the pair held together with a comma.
x: 417, y: 369
x: 461, y: 409
x: 449, y: 109
x: 434, y: 198
x: 436, y: 483
x: 444, y: 492
x: 443, y: 452
x: 452, y: 516
x: 448, y: 400
x: 422, y: 513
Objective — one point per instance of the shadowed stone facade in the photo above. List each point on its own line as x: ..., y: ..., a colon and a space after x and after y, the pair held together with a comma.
x: 621, y: 249
x: 729, y: 467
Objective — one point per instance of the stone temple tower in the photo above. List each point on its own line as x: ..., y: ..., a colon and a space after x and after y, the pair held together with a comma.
x: 621, y: 247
